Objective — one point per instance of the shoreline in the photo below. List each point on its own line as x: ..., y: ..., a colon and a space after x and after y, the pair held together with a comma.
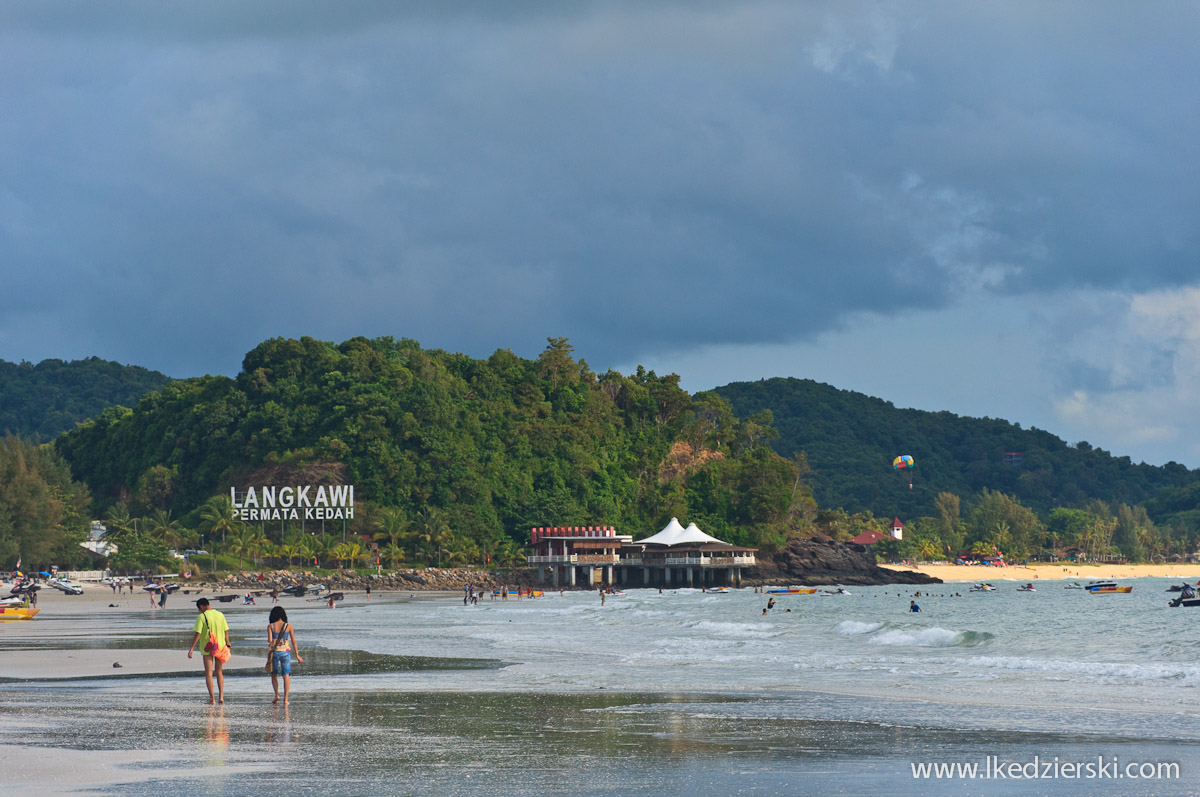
x: 1058, y: 572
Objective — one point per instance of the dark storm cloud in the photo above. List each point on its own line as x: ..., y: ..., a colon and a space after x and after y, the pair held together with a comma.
x: 181, y: 182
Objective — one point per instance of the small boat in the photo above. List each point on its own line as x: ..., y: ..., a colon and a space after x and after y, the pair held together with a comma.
x: 16, y: 608
x: 1073, y: 585
x: 838, y: 591
x: 1187, y: 597
x: 982, y: 588
x: 791, y: 590
x: 1106, y: 587
x: 18, y: 612
x: 224, y: 598
x: 170, y: 589
x: 1026, y: 588
x: 69, y: 587
x: 719, y: 591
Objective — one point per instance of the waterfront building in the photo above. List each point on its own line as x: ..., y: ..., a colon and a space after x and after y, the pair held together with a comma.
x: 683, y: 557
x: 576, y: 555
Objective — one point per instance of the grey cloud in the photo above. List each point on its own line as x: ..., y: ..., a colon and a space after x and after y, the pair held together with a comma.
x: 575, y: 170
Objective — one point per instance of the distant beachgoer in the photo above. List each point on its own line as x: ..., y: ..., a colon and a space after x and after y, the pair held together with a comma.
x: 275, y: 595
x: 368, y: 592
x: 211, y: 621
x: 770, y: 603
x: 602, y: 597
x: 162, y: 598
x: 332, y: 600
x: 764, y: 612
x: 113, y: 584
x: 913, y: 607
x: 281, y: 636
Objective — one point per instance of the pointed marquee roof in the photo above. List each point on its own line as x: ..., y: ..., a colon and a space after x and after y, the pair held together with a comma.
x: 676, y: 534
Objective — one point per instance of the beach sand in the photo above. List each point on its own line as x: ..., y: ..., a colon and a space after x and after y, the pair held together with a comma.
x: 1074, y: 572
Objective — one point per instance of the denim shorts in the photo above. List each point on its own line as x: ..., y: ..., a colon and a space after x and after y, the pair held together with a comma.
x: 281, y: 664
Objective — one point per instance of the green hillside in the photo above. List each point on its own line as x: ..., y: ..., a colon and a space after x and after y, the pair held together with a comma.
x: 47, y: 399
x: 491, y: 447
x: 851, y: 439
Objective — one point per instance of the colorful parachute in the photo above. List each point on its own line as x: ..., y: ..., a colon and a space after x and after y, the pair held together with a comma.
x: 903, y: 461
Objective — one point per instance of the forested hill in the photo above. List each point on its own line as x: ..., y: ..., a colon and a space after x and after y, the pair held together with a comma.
x: 45, y: 400
x: 850, y: 440
x: 493, y: 446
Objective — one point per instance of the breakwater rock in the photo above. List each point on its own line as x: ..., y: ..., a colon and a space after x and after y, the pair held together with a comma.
x: 410, y: 579
x: 821, y: 561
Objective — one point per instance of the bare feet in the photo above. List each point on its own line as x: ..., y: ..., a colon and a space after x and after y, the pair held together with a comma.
x: 285, y: 703
x: 276, y: 700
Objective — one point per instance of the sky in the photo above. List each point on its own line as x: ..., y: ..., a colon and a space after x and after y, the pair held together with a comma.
x: 985, y: 208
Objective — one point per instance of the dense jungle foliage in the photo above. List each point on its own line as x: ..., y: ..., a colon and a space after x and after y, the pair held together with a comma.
x: 454, y: 459
x: 851, y: 439
x: 42, y: 401
x: 43, y: 512
x: 487, y: 448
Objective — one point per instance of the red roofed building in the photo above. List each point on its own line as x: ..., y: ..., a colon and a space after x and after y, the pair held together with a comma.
x: 897, y: 528
x: 869, y: 537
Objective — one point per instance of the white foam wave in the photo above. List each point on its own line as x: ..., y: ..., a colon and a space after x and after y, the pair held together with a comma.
x: 928, y: 638
x: 855, y: 627
x: 1104, y: 669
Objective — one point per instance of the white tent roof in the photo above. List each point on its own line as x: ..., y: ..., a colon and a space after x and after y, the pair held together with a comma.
x: 675, y: 534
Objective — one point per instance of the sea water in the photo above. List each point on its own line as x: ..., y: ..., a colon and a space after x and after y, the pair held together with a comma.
x: 681, y: 691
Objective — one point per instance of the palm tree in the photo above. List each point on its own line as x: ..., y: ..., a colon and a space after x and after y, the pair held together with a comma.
x: 395, y: 526
x: 432, y: 533
x: 929, y: 549
x: 216, y: 515
x: 118, y: 520
x: 242, y: 542
x: 168, y: 531
x: 393, y: 553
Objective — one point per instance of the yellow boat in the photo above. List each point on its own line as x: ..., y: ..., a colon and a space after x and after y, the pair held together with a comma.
x: 17, y: 612
x: 1105, y: 587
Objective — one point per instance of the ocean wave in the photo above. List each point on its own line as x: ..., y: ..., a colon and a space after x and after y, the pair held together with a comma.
x: 930, y: 638
x: 1104, y: 669
x: 733, y: 630
x: 851, y: 627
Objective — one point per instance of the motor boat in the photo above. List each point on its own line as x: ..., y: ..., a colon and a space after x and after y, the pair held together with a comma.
x: 1106, y: 587
x: 1026, y: 588
x: 982, y: 588
x: 719, y: 591
x: 838, y: 591
x: 171, y: 589
x: 69, y: 587
x: 1073, y: 585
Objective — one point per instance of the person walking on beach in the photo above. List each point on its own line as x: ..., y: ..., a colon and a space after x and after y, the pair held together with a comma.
x: 282, y: 639
x: 212, y: 622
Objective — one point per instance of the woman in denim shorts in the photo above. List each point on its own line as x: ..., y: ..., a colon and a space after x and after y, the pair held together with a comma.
x: 282, y: 637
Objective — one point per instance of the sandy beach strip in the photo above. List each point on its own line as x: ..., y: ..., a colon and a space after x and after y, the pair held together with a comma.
x: 42, y: 665
x: 1073, y: 572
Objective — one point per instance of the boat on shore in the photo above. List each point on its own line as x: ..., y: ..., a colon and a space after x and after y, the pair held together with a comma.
x: 17, y: 608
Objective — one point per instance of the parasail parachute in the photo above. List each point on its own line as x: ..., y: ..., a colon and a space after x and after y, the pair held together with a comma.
x: 903, y: 461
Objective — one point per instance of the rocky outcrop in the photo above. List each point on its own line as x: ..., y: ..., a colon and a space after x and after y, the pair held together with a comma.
x: 820, y: 561
x: 413, y: 580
